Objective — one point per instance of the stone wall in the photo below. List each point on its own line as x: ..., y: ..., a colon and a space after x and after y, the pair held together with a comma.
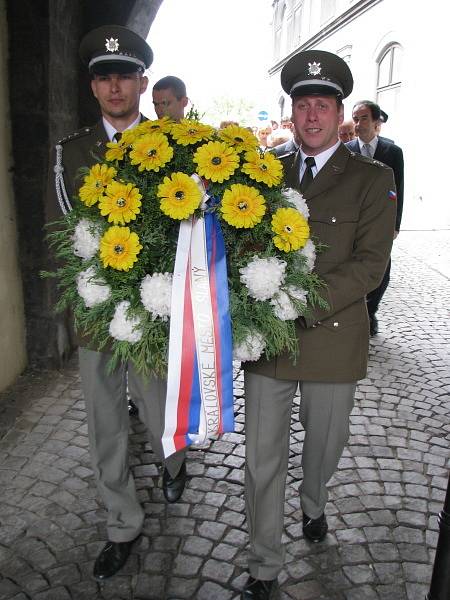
x: 12, y: 324
x: 49, y: 97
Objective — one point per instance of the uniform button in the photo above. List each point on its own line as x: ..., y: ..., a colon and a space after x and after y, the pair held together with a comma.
x: 336, y: 324
x: 333, y: 219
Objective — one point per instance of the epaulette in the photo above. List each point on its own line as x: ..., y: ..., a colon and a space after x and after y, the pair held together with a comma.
x: 60, y: 186
x: 291, y: 153
x: 367, y: 160
x: 75, y: 135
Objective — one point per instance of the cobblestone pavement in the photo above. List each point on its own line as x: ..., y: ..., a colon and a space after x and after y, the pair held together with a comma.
x: 384, y: 501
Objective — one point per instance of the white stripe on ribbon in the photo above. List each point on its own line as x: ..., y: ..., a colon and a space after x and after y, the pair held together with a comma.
x: 192, y: 245
x: 176, y: 336
x: 204, y: 336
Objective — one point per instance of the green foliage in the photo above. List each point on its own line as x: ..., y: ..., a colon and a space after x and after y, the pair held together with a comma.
x: 158, y: 235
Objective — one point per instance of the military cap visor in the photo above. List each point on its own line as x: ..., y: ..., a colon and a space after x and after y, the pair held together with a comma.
x: 316, y: 72
x: 113, y: 48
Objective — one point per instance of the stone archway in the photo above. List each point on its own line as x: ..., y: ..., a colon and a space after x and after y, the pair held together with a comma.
x: 48, y: 99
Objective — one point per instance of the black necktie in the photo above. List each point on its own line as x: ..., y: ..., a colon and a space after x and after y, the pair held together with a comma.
x: 308, y: 174
x: 117, y: 136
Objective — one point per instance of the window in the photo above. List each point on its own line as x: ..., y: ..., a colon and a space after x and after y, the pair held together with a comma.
x: 328, y: 9
x: 280, y: 31
x: 283, y: 33
x: 298, y: 17
x: 389, y: 78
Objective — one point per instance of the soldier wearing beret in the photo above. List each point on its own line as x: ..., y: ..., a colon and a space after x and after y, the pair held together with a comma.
x: 116, y: 58
x: 352, y: 211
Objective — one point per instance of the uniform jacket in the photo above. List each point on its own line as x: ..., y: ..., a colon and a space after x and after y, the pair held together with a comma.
x: 352, y: 212
x: 391, y: 155
x: 83, y: 148
x: 285, y: 148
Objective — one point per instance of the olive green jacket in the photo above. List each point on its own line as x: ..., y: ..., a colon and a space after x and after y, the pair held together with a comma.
x: 352, y: 212
x: 83, y: 148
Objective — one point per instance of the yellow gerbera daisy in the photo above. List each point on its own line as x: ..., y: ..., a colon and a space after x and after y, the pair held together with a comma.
x: 119, y: 248
x: 121, y: 202
x: 116, y: 150
x: 263, y: 167
x: 151, y: 152
x: 243, y: 206
x: 95, y: 182
x: 216, y: 161
x: 238, y: 137
x: 292, y: 229
x: 180, y: 196
x: 163, y: 125
x: 188, y: 132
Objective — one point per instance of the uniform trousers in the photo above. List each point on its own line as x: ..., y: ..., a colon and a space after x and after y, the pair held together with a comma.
x: 324, y: 413
x: 374, y: 297
x: 105, y: 396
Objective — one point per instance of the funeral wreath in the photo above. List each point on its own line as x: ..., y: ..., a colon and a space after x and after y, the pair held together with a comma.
x: 117, y: 246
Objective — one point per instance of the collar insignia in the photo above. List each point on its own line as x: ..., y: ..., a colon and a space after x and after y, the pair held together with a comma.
x: 314, y: 68
x: 111, y: 45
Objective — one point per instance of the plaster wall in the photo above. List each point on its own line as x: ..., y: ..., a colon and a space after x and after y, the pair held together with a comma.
x: 421, y: 32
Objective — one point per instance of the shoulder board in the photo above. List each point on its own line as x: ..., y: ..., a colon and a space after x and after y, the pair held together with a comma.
x: 75, y: 135
x: 287, y: 154
x: 367, y: 160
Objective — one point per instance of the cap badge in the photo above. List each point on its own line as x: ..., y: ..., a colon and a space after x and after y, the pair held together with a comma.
x: 314, y: 68
x: 111, y: 45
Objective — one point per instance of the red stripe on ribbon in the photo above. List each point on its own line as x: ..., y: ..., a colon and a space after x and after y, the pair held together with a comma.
x: 187, y: 366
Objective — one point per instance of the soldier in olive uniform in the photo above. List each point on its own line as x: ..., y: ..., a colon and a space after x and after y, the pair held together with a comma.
x: 351, y: 200
x: 117, y: 58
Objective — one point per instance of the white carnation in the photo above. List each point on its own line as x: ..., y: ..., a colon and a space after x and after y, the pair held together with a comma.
x: 250, y: 349
x: 92, y: 289
x: 298, y: 293
x: 263, y: 276
x: 86, y: 239
x: 123, y: 327
x: 309, y: 252
x: 284, y: 308
x: 297, y: 200
x: 156, y: 294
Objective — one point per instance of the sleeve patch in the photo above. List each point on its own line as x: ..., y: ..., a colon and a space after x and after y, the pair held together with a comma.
x: 392, y: 195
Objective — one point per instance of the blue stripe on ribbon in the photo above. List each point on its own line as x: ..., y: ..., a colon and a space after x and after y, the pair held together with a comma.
x: 195, y: 403
x: 214, y: 237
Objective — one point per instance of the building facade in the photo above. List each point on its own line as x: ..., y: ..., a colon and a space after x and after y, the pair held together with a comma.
x: 397, y: 53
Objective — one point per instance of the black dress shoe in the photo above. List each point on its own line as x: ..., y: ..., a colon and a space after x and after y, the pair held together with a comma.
x: 133, y: 410
x: 173, y: 486
x: 315, y: 529
x: 111, y: 559
x: 259, y: 589
x: 373, y: 321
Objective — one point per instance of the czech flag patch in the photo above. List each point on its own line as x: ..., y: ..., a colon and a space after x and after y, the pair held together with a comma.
x: 392, y: 195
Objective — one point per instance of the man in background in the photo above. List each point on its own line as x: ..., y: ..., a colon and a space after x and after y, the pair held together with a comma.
x: 367, y: 117
x: 346, y: 131
x: 169, y: 98
x: 383, y: 119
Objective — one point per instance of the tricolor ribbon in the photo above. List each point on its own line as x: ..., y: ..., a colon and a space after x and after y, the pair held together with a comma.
x: 199, y: 402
